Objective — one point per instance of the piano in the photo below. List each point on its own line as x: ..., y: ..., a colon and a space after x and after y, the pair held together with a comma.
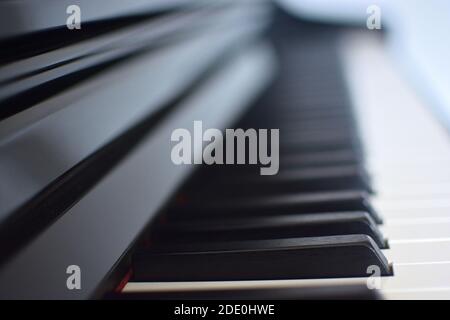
x: 359, y: 208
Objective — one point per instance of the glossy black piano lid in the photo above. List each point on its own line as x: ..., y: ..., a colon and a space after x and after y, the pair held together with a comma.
x: 33, y: 76
x: 111, y: 135
x: 165, y: 179
x: 69, y: 155
x: 20, y: 17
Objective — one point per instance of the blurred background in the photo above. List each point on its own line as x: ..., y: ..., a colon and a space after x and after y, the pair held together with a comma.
x: 415, y: 34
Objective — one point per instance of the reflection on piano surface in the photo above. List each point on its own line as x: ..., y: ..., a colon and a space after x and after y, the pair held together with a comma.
x: 87, y: 179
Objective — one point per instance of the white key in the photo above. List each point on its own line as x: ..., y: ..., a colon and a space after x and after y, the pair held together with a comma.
x: 419, y: 251
x: 416, y: 229
x: 408, y: 155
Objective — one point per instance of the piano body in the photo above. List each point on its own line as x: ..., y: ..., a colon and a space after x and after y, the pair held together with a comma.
x: 358, y: 210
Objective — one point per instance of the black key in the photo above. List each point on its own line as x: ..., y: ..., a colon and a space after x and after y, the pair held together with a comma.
x: 298, y: 258
x: 315, y: 127
x: 321, y: 147
x: 336, y: 178
x: 309, y: 160
x: 323, y: 158
x: 315, y: 136
x: 298, y: 118
x: 341, y: 201
x: 291, y: 226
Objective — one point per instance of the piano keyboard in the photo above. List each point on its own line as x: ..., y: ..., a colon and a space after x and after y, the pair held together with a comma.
x: 358, y: 210
x: 358, y: 187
